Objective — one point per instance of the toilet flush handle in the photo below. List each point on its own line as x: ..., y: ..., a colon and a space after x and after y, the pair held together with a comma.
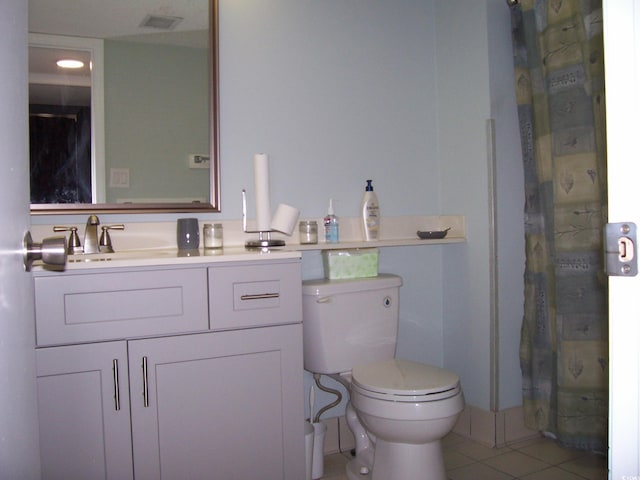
x: 324, y: 300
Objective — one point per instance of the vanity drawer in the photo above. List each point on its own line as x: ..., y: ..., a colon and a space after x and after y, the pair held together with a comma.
x: 255, y: 295
x: 107, y: 306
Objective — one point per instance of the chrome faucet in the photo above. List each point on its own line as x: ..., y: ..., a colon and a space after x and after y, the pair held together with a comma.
x: 91, y: 235
x: 91, y: 243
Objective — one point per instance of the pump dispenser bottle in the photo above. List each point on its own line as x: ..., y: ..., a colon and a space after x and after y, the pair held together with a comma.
x: 331, y: 234
x: 370, y: 214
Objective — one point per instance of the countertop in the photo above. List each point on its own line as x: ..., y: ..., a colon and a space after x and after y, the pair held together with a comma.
x: 160, y: 248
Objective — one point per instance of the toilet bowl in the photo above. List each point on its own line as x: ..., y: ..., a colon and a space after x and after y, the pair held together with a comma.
x: 398, y: 410
x: 406, y: 407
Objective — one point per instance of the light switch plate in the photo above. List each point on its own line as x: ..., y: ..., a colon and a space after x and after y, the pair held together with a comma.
x: 119, y: 178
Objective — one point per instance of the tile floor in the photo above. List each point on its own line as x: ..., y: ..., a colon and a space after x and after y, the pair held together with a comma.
x: 536, y: 459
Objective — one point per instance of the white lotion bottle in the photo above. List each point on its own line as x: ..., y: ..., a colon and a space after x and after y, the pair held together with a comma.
x: 370, y: 210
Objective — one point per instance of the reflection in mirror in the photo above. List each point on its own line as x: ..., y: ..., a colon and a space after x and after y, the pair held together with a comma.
x: 151, y: 144
x: 66, y: 113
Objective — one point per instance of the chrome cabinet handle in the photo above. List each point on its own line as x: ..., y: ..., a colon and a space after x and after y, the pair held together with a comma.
x: 259, y: 296
x: 145, y: 383
x: 116, y: 385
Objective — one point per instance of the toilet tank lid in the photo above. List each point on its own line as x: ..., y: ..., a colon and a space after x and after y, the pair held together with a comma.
x: 323, y: 287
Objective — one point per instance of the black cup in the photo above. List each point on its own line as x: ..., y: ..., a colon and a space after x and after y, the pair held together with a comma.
x: 188, y: 234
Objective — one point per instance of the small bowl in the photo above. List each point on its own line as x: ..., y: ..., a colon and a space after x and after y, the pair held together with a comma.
x: 433, y: 234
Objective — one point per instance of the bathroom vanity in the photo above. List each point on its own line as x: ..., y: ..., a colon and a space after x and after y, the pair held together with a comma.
x: 171, y: 368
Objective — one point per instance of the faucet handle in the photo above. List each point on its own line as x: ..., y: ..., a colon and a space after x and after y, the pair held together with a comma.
x: 105, y: 239
x: 73, y: 246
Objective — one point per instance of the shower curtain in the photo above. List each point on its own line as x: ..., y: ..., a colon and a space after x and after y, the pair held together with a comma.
x: 559, y: 78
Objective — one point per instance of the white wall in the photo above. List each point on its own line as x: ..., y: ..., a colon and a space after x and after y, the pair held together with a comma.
x: 510, y: 205
x: 464, y: 106
x: 338, y: 92
x: 335, y: 92
x: 475, y: 83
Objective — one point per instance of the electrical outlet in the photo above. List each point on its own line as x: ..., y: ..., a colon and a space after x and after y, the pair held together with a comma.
x: 199, y: 161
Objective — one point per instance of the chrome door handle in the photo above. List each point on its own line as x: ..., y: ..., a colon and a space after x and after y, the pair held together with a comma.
x: 52, y: 251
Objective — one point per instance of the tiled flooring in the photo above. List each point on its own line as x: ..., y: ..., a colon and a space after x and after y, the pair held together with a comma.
x: 537, y: 459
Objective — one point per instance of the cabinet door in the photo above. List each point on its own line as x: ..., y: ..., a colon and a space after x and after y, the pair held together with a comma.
x: 220, y: 405
x: 83, y: 405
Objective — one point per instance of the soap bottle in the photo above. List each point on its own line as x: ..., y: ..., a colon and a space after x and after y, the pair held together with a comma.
x: 370, y: 214
x: 331, y: 234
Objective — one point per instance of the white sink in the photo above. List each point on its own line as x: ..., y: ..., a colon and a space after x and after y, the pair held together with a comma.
x: 166, y: 256
x: 123, y: 255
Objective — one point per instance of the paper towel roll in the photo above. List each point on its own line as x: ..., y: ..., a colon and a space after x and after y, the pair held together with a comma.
x: 261, y: 181
x: 285, y: 219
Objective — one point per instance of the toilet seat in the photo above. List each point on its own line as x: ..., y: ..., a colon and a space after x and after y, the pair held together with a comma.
x: 404, y: 381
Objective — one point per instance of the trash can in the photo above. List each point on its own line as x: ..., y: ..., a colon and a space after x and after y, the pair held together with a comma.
x: 319, y: 430
x: 309, y: 434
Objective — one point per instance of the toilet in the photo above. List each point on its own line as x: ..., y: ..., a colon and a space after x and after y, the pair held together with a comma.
x: 398, y: 410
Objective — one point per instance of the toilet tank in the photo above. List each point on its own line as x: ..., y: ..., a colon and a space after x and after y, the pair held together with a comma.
x: 349, y: 322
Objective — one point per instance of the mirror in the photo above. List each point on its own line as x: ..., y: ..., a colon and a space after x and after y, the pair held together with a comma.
x: 152, y: 144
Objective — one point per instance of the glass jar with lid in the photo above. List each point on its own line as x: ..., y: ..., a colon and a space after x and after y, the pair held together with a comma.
x: 308, y: 232
x: 212, y: 235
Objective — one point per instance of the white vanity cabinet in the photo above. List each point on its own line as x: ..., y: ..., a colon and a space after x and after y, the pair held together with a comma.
x: 83, y: 407
x: 215, y: 403
x: 218, y: 405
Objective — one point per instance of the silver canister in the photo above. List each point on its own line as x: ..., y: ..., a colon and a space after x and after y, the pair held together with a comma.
x: 212, y: 234
x: 308, y: 232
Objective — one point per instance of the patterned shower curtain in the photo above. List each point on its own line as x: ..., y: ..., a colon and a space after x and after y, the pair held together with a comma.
x: 559, y: 77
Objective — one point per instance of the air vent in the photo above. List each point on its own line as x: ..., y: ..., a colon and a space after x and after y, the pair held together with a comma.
x: 160, y: 22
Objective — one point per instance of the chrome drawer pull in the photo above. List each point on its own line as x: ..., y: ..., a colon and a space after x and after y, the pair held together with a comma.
x: 259, y: 296
x: 116, y: 385
x: 145, y: 383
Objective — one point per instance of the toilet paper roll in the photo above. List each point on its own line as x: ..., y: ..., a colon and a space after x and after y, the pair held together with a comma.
x: 261, y: 181
x: 285, y: 219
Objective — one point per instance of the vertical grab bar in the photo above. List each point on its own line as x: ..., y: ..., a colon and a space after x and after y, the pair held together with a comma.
x: 145, y: 382
x: 116, y: 385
